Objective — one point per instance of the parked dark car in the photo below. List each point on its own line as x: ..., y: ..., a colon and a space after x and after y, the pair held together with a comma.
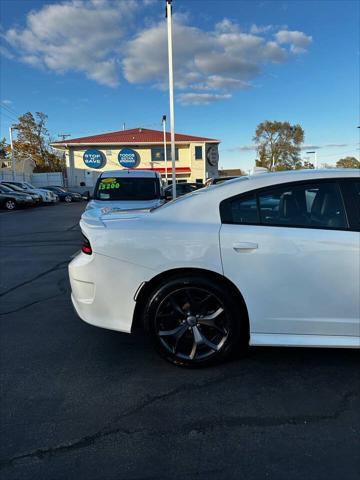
x: 10, y: 199
x: 64, y: 195
x: 36, y: 197
x: 182, y: 189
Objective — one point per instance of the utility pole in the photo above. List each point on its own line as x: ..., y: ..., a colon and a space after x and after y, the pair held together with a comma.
x: 13, y: 159
x: 165, y: 149
x: 64, y: 135
x: 171, y: 94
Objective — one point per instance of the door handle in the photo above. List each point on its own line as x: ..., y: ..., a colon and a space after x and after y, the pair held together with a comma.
x: 244, y: 246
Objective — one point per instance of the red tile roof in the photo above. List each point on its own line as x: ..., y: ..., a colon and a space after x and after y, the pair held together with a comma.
x: 134, y: 136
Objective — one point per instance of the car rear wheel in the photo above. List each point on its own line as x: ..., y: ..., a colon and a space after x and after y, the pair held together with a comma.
x: 195, y: 321
x: 10, y: 204
x: 68, y: 199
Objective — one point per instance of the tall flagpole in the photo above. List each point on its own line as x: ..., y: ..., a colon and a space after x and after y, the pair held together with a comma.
x: 171, y: 94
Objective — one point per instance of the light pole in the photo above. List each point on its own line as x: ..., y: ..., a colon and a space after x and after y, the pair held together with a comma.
x: 171, y: 94
x: 165, y: 152
x: 315, y: 158
x: 13, y: 159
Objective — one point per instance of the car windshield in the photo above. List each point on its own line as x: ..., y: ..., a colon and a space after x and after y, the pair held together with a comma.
x: 4, y: 188
x: 29, y: 185
x: 14, y: 187
x: 123, y: 188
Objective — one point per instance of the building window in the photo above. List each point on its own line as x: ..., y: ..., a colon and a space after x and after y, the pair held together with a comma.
x: 198, y: 153
x: 157, y: 154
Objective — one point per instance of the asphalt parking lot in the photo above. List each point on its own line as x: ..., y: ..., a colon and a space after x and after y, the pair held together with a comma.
x: 79, y: 402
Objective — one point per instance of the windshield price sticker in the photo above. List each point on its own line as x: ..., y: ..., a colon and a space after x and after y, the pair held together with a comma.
x: 109, y: 186
x: 108, y: 180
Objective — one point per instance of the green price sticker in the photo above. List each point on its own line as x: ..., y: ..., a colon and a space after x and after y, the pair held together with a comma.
x: 109, y: 186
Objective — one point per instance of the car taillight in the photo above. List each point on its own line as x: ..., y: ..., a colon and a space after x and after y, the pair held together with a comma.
x: 86, y: 247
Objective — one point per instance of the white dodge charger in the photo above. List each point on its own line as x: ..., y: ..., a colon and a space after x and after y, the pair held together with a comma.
x: 271, y: 259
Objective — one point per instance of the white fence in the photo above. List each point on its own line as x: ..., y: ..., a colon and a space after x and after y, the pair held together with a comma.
x: 49, y: 178
x: 36, y: 179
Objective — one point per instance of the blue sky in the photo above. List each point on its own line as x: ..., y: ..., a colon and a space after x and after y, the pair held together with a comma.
x: 92, y: 65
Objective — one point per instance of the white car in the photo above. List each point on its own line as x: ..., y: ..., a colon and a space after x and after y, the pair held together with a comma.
x: 127, y: 190
x: 270, y: 259
x: 46, y: 195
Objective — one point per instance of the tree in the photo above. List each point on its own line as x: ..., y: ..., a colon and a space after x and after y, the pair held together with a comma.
x: 4, y: 152
x: 348, y: 162
x: 278, y: 145
x: 33, y: 142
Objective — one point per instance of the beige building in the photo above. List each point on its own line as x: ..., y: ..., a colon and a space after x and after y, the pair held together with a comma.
x: 196, y: 157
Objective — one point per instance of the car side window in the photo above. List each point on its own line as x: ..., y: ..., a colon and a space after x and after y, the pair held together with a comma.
x: 315, y: 206
x: 357, y: 202
x: 351, y: 193
x: 240, y: 210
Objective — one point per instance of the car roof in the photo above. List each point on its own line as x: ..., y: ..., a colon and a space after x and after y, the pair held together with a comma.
x: 273, y: 178
x: 130, y: 173
x: 223, y: 179
x: 207, y: 200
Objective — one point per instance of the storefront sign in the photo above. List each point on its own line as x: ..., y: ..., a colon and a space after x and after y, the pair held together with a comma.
x: 94, y: 158
x: 212, y: 155
x: 128, y: 158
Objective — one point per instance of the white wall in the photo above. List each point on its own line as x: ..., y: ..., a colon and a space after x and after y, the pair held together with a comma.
x: 37, y: 179
x: 47, y: 178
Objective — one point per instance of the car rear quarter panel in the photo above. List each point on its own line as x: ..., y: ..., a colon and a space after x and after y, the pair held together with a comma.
x: 127, y: 253
x: 159, y: 246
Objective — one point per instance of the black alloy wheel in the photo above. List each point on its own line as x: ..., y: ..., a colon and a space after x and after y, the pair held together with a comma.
x: 10, y: 204
x: 195, y: 322
x: 68, y: 198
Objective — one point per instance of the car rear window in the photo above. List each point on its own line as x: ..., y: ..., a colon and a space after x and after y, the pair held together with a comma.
x: 122, y: 188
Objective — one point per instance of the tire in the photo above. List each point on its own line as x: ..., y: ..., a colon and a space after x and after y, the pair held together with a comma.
x: 10, y: 204
x: 194, y: 321
x: 68, y: 199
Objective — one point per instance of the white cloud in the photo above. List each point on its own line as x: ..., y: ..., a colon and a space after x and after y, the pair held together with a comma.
x: 243, y: 148
x: 7, y: 102
x: 253, y: 147
x: 194, y: 98
x: 328, y: 145
x: 255, y: 29
x: 298, y: 41
x: 216, y: 61
x: 92, y: 37
x: 77, y: 35
x: 5, y: 52
x: 227, y: 83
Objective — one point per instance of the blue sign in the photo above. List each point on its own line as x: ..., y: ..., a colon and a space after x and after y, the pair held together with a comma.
x: 94, y: 159
x: 128, y: 158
